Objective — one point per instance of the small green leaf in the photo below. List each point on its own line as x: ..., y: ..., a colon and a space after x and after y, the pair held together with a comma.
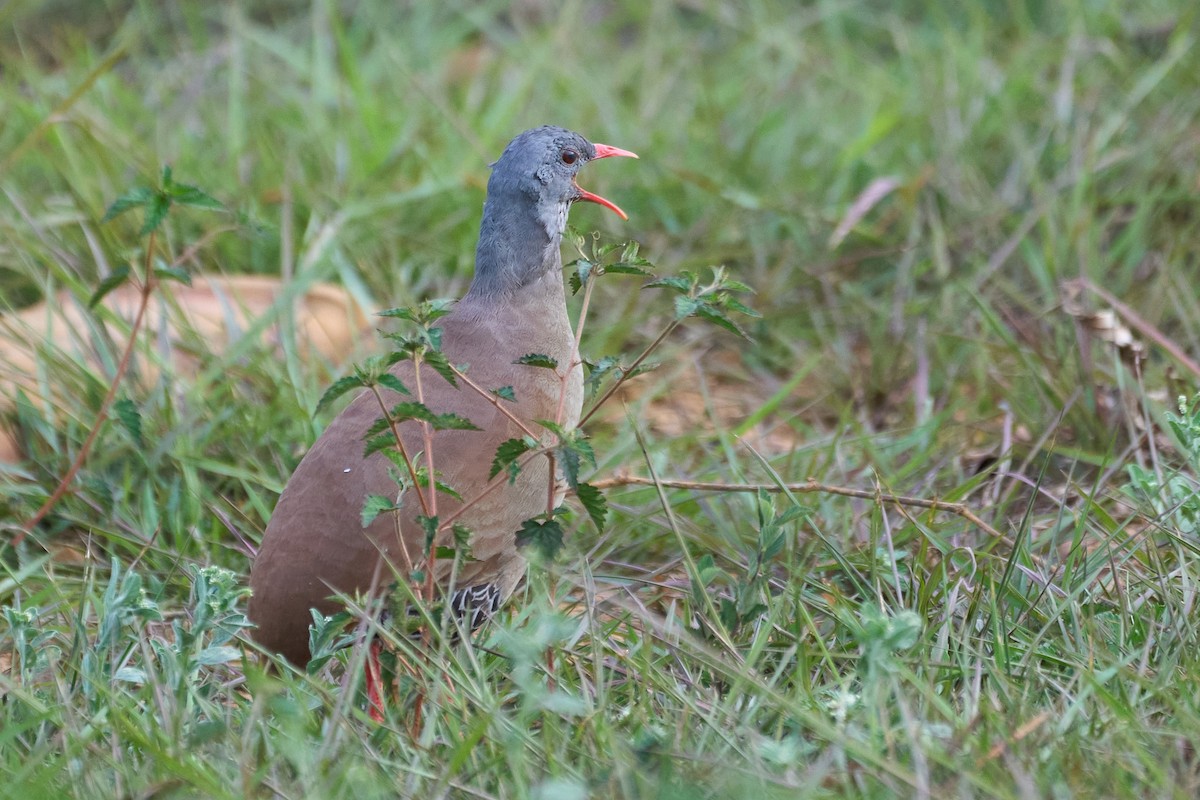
x: 537, y: 360
x: 594, y: 502
x: 678, y: 283
x: 437, y: 359
x: 544, y: 536
x: 133, y: 199
x: 118, y: 276
x: 430, y: 526
x: 420, y: 412
x: 507, y: 454
x: 505, y: 393
x: 462, y: 539
x: 131, y: 418
x: 715, y: 316
x: 411, y: 409
x: 339, y: 388
x: 568, y: 460
x: 580, y: 274
x: 191, y: 196
x: 392, y: 382
x: 685, y: 306
x: 598, y: 370
x: 740, y: 307
x: 378, y: 443
x: 452, y: 422
x: 373, y: 506
x: 156, y: 212
x: 173, y: 274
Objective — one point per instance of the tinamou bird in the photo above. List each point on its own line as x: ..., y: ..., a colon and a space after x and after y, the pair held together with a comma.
x: 315, y: 546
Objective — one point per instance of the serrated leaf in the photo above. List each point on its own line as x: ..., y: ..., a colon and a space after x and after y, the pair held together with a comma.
x: 430, y: 526
x: 131, y: 418
x: 437, y: 359
x: 339, y: 388
x: 380, y: 442
x: 568, y: 459
x: 574, y: 236
x: 374, y: 505
x: 538, y: 360
x: 191, y: 196
x: 716, y: 317
x: 176, y: 274
x: 641, y: 369
x: 462, y: 539
x: 156, y: 212
x: 411, y: 409
x: 677, y: 283
x: 544, y: 536
x: 506, y: 457
x: 598, y: 370
x: 396, y: 313
x: 444, y: 488
x: 505, y: 393
x: 594, y: 503
x: 579, y: 276
x: 116, y: 278
x: 132, y: 199
x: 558, y: 430
x: 685, y: 306
x: 392, y: 382
x: 420, y: 412
x: 741, y: 307
x: 452, y: 422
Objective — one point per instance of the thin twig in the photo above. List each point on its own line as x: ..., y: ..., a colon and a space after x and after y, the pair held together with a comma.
x: 637, y: 362
x: 492, y: 398
x: 431, y: 479
x: 60, y: 490
x: 808, y: 487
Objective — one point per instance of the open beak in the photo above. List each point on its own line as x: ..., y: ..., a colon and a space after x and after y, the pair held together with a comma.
x: 605, y: 151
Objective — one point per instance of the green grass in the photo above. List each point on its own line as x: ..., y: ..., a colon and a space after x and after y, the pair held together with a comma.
x: 898, y: 652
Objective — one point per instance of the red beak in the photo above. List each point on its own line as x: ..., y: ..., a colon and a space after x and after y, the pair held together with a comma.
x: 606, y: 151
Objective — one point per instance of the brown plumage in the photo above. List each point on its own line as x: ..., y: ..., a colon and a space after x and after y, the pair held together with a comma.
x: 315, y: 545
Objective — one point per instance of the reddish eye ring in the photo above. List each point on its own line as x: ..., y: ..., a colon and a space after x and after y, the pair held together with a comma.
x: 569, y: 156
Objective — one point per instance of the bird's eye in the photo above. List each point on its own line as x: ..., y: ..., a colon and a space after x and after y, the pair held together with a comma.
x: 569, y: 156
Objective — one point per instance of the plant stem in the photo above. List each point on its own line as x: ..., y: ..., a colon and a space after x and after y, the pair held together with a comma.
x: 628, y: 370
x: 810, y: 486
x: 60, y: 490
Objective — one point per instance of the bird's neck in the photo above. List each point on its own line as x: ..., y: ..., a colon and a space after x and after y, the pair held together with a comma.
x: 518, y: 249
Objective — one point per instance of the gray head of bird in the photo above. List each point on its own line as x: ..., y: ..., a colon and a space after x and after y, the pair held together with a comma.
x: 531, y: 189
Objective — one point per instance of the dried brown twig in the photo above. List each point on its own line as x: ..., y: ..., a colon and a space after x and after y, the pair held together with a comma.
x: 811, y: 486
